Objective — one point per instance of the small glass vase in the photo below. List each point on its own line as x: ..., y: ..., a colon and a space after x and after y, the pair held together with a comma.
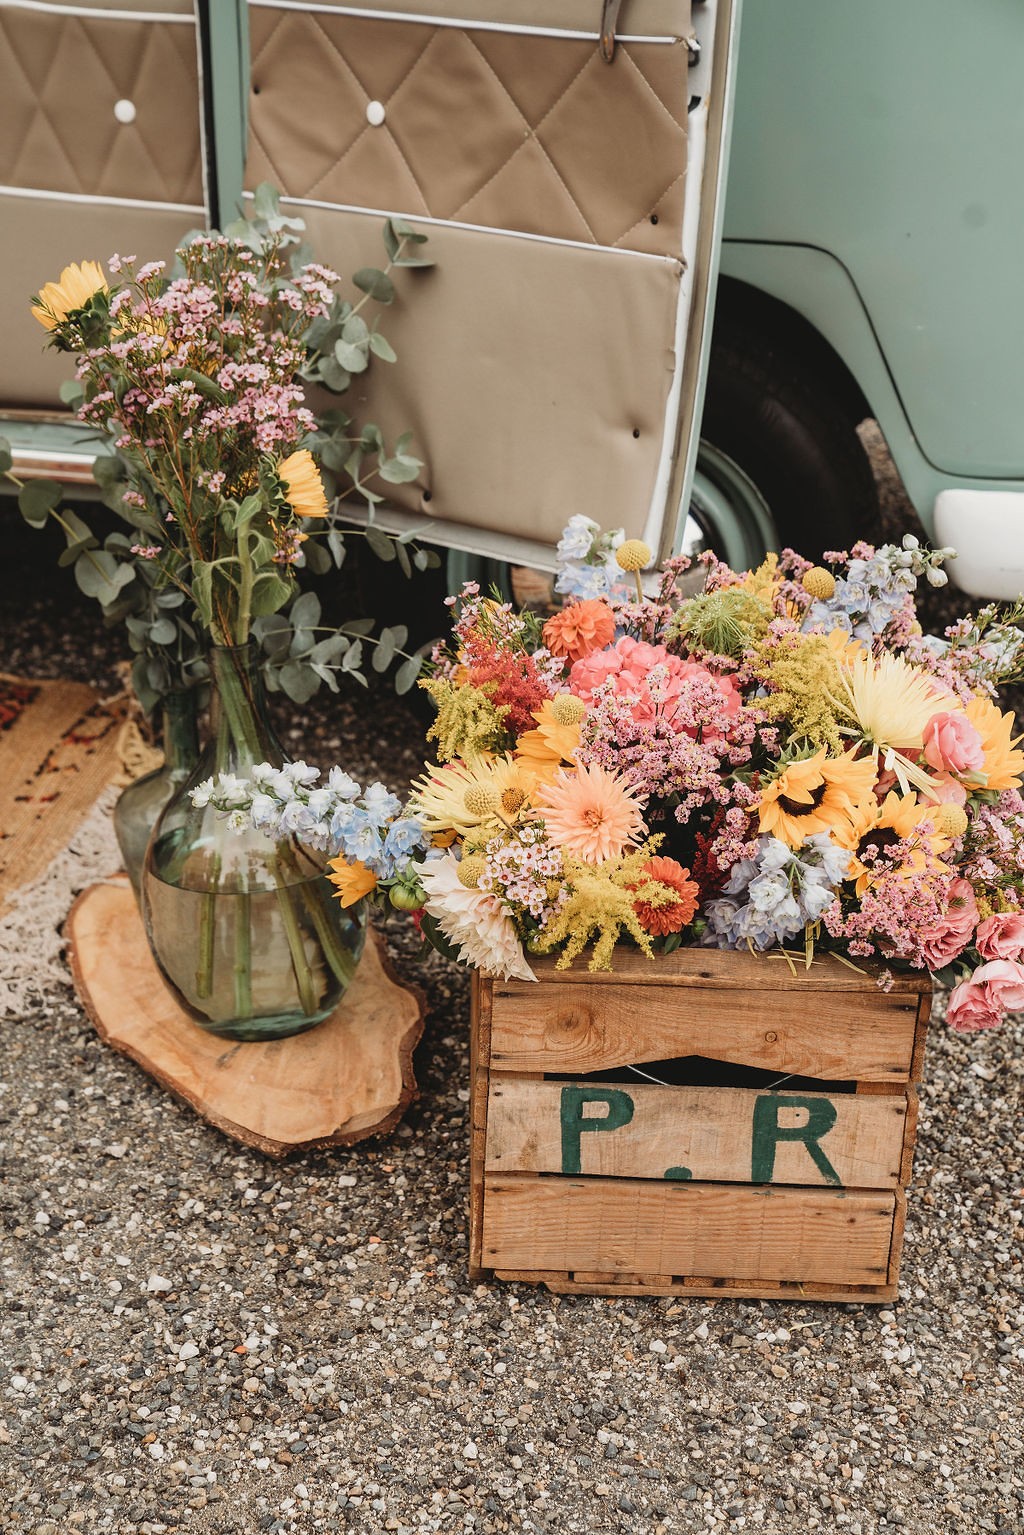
x: 246, y: 930
x: 139, y: 807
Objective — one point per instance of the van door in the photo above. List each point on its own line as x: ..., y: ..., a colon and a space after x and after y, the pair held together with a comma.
x: 565, y: 159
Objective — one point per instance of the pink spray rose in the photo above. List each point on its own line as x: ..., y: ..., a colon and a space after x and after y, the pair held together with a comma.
x: 950, y: 936
x: 1001, y: 936
x: 983, y: 1001
x: 952, y: 745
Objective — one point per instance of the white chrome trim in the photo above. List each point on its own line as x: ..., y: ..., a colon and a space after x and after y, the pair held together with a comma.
x: 363, y: 14
x: 484, y: 229
x: 103, y: 202
x: 65, y: 465
x: 458, y: 535
x: 94, y: 12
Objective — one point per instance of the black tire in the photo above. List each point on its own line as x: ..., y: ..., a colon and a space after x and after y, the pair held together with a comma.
x: 793, y: 430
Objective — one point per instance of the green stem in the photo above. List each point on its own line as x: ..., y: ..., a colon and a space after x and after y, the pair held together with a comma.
x: 243, y: 957
x: 300, y: 964
x: 247, y: 580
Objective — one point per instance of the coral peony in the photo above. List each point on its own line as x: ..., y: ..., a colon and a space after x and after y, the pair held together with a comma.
x: 579, y: 629
x: 1001, y: 936
x: 952, y: 745
x: 674, y: 915
x: 983, y: 1001
x: 944, y: 940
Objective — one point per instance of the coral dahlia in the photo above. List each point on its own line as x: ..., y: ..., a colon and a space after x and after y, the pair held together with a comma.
x: 591, y: 812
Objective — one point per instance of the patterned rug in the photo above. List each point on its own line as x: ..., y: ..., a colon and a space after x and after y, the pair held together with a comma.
x: 59, y: 751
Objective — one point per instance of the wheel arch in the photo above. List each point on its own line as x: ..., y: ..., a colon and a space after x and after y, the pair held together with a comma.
x: 739, y: 307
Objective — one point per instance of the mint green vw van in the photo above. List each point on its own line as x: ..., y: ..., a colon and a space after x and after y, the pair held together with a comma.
x: 837, y: 187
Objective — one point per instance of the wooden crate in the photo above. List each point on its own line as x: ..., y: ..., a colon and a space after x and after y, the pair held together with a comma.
x: 779, y: 1172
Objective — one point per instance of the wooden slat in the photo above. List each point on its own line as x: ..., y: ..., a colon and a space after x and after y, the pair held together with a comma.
x: 593, y: 1026
x: 479, y: 1059
x: 721, y: 1289
x: 535, y: 1126
x: 715, y: 968
x: 612, y: 1225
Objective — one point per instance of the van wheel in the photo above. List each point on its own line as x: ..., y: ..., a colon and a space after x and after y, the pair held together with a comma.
x: 780, y: 454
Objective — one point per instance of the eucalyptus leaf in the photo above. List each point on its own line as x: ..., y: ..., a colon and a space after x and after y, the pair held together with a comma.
x: 376, y: 283
x: 305, y: 611
x: 274, y: 633
x: 37, y: 499
x: 334, y: 376
x: 384, y: 653
x: 99, y: 575
x: 355, y: 330
x: 382, y: 546
x: 326, y: 675
x: 352, y: 659
x: 360, y: 626
x: 407, y: 673
x: 399, y: 470
x: 170, y: 597
x: 317, y: 558
x: 299, y: 681
x: 163, y: 632
x: 382, y: 348
x: 202, y: 591
x: 336, y: 544
x: 328, y: 650
x: 352, y: 357
x: 106, y: 470
x: 403, y: 559
x: 71, y: 392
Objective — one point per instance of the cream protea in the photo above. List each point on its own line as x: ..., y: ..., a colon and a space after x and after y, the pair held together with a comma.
x: 473, y: 921
x: 591, y: 812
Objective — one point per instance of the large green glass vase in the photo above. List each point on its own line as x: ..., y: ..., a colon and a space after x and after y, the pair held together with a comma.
x: 138, y: 808
x: 246, y: 930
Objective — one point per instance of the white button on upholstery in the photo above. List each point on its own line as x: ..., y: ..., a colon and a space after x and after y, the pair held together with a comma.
x: 124, y: 111
x: 375, y: 113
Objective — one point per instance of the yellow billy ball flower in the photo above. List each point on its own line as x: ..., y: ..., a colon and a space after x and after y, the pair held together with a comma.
x: 71, y: 292
x: 818, y: 582
x: 950, y: 820
x: 303, y: 488
x: 634, y: 554
x: 567, y: 709
x: 470, y: 870
x: 512, y: 801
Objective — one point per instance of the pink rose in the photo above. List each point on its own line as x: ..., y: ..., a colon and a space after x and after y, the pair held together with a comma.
x: 983, y: 1001
x: 952, y: 745
x: 949, y: 791
x: 1001, y: 936
x: 951, y: 935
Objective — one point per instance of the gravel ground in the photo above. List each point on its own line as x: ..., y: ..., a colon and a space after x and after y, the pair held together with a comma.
x: 195, y: 1338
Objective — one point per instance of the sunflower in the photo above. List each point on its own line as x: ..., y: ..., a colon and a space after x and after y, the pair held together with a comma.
x: 464, y: 796
x: 301, y: 484
x: 591, y: 813
x: 72, y: 292
x: 817, y: 794
x: 898, y: 818
x: 1004, y: 765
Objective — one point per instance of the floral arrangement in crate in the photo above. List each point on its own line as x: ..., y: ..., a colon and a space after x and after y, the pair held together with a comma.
x: 781, y: 761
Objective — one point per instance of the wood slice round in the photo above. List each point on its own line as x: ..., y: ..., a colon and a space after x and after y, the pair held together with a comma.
x: 348, y: 1078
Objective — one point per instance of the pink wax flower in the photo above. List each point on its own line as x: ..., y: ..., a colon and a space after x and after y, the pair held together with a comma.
x: 1001, y: 936
x: 628, y: 665
x: 983, y: 1001
x: 952, y: 745
x: 945, y: 939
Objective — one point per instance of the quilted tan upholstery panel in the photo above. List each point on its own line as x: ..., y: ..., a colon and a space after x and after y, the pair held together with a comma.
x: 37, y: 239
x: 62, y: 76
x: 550, y: 398
x: 514, y: 132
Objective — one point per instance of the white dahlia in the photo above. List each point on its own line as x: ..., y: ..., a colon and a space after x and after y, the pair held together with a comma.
x: 473, y: 921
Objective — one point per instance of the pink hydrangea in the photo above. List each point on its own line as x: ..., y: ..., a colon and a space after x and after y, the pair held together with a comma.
x: 628, y: 665
x: 983, y: 1001
x: 1001, y: 936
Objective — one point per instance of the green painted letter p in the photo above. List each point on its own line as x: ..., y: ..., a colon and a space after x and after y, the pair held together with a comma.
x: 620, y: 1112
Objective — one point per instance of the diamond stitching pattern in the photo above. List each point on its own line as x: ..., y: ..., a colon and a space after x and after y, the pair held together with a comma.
x: 471, y: 129
x: 54, y: 138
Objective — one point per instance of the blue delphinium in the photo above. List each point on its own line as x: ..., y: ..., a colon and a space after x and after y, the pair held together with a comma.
x: 874, y: 590
x: 777, y: 894
x: 586, y: 560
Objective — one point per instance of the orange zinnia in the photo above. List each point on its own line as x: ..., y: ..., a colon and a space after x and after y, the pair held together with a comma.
x: 674, y: 915
x: 580, y: 629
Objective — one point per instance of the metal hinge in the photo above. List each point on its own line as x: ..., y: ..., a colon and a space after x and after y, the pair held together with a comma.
x: 609, y: 21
